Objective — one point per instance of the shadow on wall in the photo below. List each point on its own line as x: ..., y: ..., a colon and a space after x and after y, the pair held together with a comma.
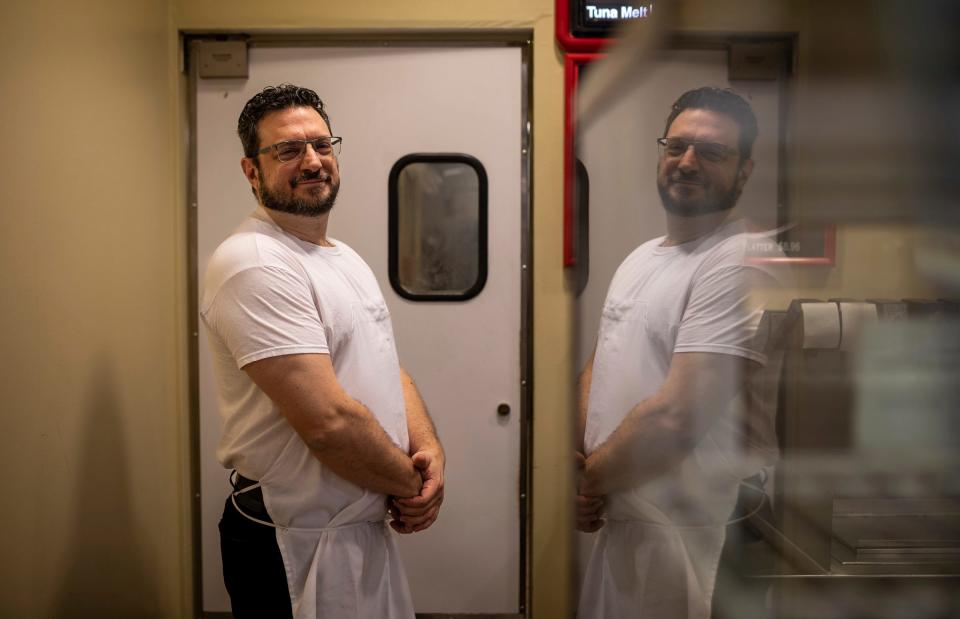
x: 107, y: 574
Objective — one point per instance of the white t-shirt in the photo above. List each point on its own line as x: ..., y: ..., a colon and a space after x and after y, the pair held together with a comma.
x: 658, y: 553
x: 693, y: 297
x: 266, y: 294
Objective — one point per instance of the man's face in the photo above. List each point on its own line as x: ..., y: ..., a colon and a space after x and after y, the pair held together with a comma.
x: 690, y: 184
x: 307, y: 185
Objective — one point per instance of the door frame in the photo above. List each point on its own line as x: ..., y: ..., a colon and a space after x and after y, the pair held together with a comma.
x: 190, y: 42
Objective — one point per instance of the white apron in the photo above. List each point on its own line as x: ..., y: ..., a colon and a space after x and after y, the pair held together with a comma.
x: 657, y: 555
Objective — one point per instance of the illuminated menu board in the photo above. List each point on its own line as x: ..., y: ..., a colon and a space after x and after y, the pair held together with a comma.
x: 597, y: 19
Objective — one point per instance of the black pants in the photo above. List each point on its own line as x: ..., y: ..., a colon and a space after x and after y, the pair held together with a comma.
x: 252, y: 566
x: 738, y: 593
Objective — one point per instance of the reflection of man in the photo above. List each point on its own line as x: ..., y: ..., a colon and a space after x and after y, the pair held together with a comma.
x: 663, y: 430
x: 319, y: 417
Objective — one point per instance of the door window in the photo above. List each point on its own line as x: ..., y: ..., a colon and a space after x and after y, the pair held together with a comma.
x: 438, y: 227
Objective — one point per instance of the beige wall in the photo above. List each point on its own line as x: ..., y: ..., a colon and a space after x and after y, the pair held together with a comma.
x: 874, y: 261
x: 94, y: 452
x: 92, y: 257
x: 850, y: 161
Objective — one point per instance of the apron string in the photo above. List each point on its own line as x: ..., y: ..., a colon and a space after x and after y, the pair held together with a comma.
x: 255, y: 485
x: 754, y: 512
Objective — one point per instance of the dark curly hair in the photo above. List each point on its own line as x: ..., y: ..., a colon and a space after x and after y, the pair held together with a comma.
x: 270, y: 99
x: 724, y: 101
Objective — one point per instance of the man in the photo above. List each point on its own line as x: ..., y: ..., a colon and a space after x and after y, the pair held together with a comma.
x: 666, y: 440
x: 320, y: 422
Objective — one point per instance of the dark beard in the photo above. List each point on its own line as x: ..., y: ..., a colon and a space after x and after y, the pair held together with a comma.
x: 723, y: 203
x: 298, y: 206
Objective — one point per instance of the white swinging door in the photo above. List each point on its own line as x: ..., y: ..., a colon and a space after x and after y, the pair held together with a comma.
x: 466, y: 356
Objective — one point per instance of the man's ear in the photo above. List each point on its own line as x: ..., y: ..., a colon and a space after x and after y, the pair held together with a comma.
x: 746, y: 169
x: 251, y: 172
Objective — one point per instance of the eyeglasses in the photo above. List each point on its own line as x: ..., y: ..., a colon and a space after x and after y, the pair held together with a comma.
x: 708, y: 151
x: 290, y: 150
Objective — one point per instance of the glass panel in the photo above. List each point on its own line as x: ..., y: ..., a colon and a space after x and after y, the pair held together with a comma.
x: 439, y: 213
x: 824, y: 477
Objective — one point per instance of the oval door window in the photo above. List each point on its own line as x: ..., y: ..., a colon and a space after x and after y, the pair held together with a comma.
x: 438, y: 227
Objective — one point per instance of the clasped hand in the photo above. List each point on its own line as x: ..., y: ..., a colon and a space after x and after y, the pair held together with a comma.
x: 417, y: 513
x: 589, y: 507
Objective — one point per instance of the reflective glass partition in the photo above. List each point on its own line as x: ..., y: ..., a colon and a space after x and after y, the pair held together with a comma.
x: 828, y: 484
x: 438, y: 227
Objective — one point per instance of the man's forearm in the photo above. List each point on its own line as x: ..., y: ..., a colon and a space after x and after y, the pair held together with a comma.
x: 358, y: 449
x: 662, y: 430
x: 422, y: 433
x: 340, y: 431
x: 420, y: 512
x: 646, y: 444
x: 583, y: 400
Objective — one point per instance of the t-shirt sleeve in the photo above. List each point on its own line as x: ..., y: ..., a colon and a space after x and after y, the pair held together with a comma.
x: 722, y: 315
x: 265, y: 311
